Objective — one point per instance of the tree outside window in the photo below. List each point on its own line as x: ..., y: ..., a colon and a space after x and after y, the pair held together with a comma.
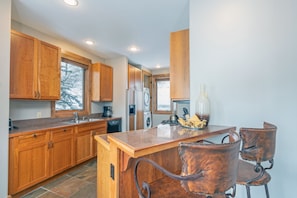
x: 72, y: 87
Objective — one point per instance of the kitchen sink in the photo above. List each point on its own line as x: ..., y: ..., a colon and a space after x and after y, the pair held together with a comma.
x: 84, y: 120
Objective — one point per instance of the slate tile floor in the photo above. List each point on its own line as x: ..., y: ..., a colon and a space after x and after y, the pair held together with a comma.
x: 77, y: 183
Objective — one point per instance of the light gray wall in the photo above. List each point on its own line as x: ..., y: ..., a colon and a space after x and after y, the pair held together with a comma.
x: 5, y: 7
x: 245, y: 53
x: 120, y: 85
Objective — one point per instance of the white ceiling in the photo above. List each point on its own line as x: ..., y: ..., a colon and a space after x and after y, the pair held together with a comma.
x: 114, y: 25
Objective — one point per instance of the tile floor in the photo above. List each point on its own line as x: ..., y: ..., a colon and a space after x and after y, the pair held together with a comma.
x: 77, y: 183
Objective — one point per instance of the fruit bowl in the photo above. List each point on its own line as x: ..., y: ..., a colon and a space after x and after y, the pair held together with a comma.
x: 192, y: 123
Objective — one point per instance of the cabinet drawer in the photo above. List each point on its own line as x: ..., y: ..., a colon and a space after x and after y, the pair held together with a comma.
x: 98, y: 125
x: 32, y: 139
x: 83, y: 127
x: 62, y: 132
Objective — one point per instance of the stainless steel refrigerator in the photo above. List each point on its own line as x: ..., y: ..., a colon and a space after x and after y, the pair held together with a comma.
x: 134, y: 109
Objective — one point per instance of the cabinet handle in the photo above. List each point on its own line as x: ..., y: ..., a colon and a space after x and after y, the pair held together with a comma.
x: 34, y: 135
x: 50, y: 145
x: 65, y: 130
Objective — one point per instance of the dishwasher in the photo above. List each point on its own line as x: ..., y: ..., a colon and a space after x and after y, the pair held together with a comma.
x: 114, y: 125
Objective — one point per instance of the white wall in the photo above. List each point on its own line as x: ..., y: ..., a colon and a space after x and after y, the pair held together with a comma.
x: 120, y: 85
x: 245, y: 53
x: 5, y: 7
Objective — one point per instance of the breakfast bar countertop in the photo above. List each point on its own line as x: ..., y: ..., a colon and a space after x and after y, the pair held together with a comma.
x: 120, y: 151
x: 146, y: 141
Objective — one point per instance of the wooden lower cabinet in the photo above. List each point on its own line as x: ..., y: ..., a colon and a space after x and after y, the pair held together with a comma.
x: 97, y: 129
x: 39, y: 155
x: 61, y: 150
x: 85, y: 143
x: 28, y: 160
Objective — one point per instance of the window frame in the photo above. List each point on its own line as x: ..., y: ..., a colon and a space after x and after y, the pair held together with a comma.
x: 86, y: 64
x: 156, y: 78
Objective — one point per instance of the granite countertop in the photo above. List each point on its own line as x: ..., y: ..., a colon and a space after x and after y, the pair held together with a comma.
x: 146, y: 141
x: 27, y: 126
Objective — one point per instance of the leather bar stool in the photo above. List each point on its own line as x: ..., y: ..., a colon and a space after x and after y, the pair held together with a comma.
x: 208, y: 170
x: 258, y: 146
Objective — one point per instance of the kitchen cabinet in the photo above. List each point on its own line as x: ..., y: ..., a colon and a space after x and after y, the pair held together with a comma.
x: 39, y: 155
x: 28, y: 160
x: 61, y: 148
x: 97, y: 129
x: 102, y: 82
x: 85, y: 139
x: 34, y: 68
x: 179, y: 65
x: 134, y: 78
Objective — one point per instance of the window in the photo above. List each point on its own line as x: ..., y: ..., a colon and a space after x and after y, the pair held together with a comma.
x: 161, y: 94
x: 74, y: 87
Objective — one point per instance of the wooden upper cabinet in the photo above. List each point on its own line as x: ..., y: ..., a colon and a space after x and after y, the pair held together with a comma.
x: 49, y: 71
x: 34, y: 68
x: 134, y: 78
x: 102, y: 82
x: 179, y: 65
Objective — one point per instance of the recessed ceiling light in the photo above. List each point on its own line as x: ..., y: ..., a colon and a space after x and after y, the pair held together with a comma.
x: 158, y: 66
x: 89, y: 42
x: 133, y: 49
x: 71, y: 2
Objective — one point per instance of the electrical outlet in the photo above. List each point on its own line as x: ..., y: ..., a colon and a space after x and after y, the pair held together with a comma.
x: 38, y: 115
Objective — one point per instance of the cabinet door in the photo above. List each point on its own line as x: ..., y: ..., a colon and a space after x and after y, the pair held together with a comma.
x: 61, y: 149
x: 179, y: 65
x: 23, y: 59
x: 102, y: 82
x: 106, y: 83
x: 98, y: 128
x: 28, y: 160
x: 96, y: 82
x: 83, y: 141
x: 138, y: 79
x: 134, y: 78
x: 49, y: 67
x: 131, y: 77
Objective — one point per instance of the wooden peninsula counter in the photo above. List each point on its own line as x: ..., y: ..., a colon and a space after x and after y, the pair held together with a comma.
x: 117, y: 153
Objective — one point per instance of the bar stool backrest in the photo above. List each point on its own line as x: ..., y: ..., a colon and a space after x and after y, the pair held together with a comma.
x: 218, y: 164
x: 258, y: 144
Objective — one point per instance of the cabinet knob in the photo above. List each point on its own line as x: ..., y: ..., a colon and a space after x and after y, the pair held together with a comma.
x: 34, y: 135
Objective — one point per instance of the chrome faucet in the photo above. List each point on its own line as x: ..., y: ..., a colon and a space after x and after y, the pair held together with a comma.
x: 75, y: 115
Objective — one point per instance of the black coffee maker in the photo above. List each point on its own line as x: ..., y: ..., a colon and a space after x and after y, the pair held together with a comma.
x: 107, y: 111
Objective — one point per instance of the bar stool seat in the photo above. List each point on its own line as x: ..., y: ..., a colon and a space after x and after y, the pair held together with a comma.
x: 246, y: 172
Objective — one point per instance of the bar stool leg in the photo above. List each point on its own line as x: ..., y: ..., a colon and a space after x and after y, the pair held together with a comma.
x: 248, y: 191
x: 266, y: 190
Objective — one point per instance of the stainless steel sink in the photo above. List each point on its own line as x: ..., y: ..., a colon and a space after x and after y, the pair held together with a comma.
x: 83, y: 121
x: 94, y: 119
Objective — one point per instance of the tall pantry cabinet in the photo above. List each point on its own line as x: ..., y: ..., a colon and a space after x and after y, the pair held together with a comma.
x: 34, y: 68
x: 179, y: 65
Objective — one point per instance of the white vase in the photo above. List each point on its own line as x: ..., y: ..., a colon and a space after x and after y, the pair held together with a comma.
x: 203, y: 105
